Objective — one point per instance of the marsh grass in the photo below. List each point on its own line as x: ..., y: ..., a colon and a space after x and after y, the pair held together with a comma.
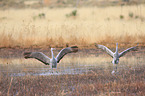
x: 97, y: 81
x: 91, y: 25
x: 88, y: 27
x: 129, y: 82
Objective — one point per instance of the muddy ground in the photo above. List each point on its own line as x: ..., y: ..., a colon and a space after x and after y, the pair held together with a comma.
x: 18, y: 52
x: 96, y: 82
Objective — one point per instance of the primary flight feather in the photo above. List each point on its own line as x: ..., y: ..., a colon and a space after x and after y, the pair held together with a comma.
x: 50, y: 61
x: 115, y: 55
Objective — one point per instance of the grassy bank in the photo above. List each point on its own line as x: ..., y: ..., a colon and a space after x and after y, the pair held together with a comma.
x: 59, y: 28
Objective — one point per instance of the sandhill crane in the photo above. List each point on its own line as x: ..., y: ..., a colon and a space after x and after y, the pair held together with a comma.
x: 53, y: 61
x: 116, y: 55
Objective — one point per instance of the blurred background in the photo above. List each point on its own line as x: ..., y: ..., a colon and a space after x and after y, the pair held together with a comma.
x: 65, y: 3
x: 61, y: 23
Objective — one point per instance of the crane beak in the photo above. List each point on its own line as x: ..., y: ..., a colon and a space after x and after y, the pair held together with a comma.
x: 53, y: 49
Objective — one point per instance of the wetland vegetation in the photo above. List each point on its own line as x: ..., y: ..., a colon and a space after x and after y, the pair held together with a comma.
x: 87, y: 72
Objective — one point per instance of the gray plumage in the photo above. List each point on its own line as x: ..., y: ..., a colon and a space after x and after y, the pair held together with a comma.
x: 50, y: 61
x: 115, y: 55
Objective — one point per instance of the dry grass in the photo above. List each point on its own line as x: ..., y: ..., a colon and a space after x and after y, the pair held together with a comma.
x: 98, y: 81
x: 129, y: 82
x: 24, y: 27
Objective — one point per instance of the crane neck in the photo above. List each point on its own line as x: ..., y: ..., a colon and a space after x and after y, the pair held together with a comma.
x: 52, y: 53
x: 116, y: 48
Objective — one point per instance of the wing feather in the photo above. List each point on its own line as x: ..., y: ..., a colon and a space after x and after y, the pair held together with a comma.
x: 105, y: 49
x: 64, y: 51
x: 127, y: 50
x: 37, y: 55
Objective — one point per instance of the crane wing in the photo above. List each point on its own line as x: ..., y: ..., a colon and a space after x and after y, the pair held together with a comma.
x: 37, y: 55
x: 65, y: 51
x: 105, y: 49
x: 127, y: 50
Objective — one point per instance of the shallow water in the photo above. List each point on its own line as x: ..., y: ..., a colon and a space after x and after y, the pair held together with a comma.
x: 70, y: 65
x: 68, y: 71
x: 59, y: 71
